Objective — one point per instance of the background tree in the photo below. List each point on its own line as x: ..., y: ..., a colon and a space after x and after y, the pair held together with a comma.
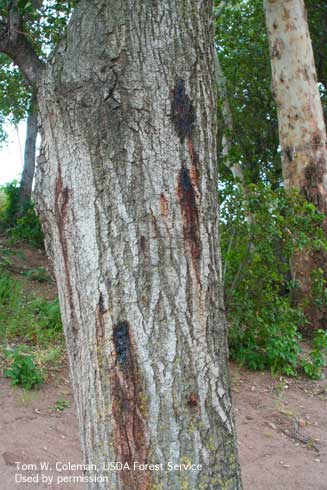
x: 46, y: 25
x: 244, y: 57
x: 126, y: 191
x: 302, y: 132
x: 227, y: 116
x: 26, y: 183
x: 243, y: 52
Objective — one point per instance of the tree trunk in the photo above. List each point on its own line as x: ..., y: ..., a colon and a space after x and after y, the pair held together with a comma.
x: 127, y: 194
x: 26, y: 182
x: 227, y: 138
x: 302, y: 131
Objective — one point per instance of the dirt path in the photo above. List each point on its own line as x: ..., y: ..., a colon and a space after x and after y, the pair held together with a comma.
x: 281, y: 423
x: 282, y: 430
x: 32, y: 430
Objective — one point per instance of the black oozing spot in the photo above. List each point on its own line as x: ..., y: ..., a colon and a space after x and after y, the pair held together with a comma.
x: 185, y: 181
x: 121, y: 342
x: 101, y: 304
x: 182, y: 111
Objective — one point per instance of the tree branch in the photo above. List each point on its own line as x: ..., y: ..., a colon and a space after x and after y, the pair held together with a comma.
x: 218, y: 10
x: 15, y: 44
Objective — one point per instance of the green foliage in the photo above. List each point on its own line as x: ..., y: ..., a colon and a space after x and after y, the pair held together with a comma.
x: 48, y: 315
x: 260, y: 233
x: 45, y: 25
x: 25, y: 227
x: 319, y: 286
x: 51, y: 356
x: 317, y: 14
x: 33, y: 321
x: 8, y: 289
x: 28, y: 227
x: 23, y: 370
x: 39, y: 274
x: 2, y: 200
x: 10, y: 207
x: 242, y: 44
x: 61, y: 404
x: 14, y: 95
x: 317, y: 357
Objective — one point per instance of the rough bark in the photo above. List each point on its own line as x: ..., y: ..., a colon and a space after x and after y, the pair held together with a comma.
x: 302, y: 131
x: 127, y: 193
x: 26, y: 182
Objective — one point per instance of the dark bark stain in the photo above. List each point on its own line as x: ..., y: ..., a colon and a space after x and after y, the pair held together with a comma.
x: 312, y: 187
x: 277, y: 49
x: 129, y: 409
x: 193, y: 400
x: 164, y: 206
x: 193, y: 155
x: 183, y: 116
x: 317, y: 139
x: 100, y: 311
x: 101, y: 315
x: 121, y: 342
x: 182, y: 111
x: 190, y: 217
x: 101, y: 304
x: 143, y: 243
x: 154, y: 224
x: 289, y: 152
x: 61, y: 204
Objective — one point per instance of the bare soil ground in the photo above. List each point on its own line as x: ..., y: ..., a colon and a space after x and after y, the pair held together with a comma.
x: 282, y: 431
x: 281, y: 426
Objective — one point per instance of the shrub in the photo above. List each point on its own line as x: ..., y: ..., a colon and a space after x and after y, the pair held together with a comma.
x: 28, y: 227
x: 48, y: 315
x: 314, y: 365
x: 23, y: 370
x: 61, y: 404
x: 27, y: 320
x: 260, y: 232
x: 23, y: 225
x: 10, y: 207
x: 39, y: 274
x: 8, y: 288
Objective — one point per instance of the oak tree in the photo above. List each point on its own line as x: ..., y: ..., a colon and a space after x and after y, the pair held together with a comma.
x: 127, y: 194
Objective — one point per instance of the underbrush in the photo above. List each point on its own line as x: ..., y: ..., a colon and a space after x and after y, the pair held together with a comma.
x: 31, y: 320
x: 260, y: 233
x: 22, y: 369
x: 31, y: 333
x: 20, y: 225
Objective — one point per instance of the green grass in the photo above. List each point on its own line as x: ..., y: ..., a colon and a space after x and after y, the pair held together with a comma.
x: 26, y: 319
x: 39, y: 274
x: 31, y: 334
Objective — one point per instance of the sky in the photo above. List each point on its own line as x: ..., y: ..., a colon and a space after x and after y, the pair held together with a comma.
x: 11, y: 154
